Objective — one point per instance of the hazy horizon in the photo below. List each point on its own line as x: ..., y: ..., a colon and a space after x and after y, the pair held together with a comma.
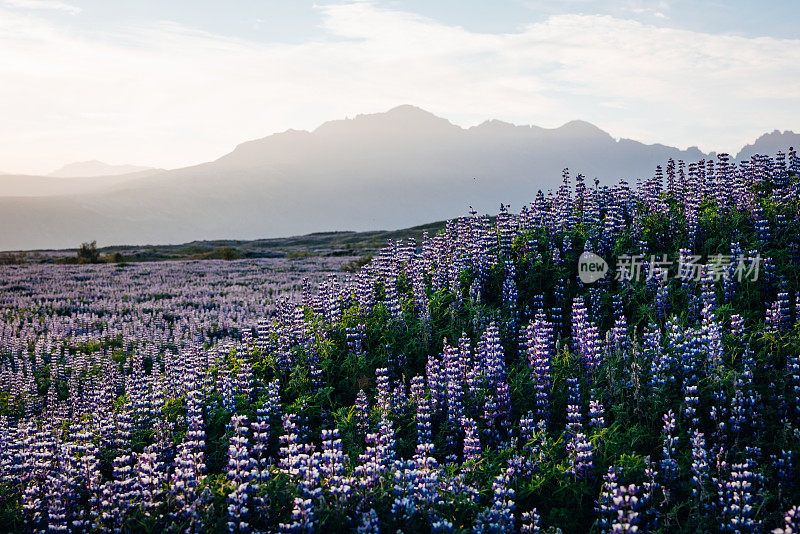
x: 94, y: 168
x: 378, y: 171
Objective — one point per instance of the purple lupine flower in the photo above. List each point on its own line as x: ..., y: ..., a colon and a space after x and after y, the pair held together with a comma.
x: 441, y: 525
x: 454, y: 378
x: 574, y: 416
x: 370, y: 524
x: 783, y: 465
x: 151, y: 477
x: 580, y: 323
x: 661, y: 360
x: 531, y: 522
x: 596, y: 414
x: 593, y: 349
x: 472, y: 442
x: 56, y: 503
x: 333, y: 468
x: 690, y: 404
x: 619, y: 341
x: 580, y: 452
x: 437, y: 384
x: 669, y: 465
x: 625, y: 502
x: 189, y: 469
x: 378, y: 456
x: 540, y: 349
x: 499, y: 517
x: 791, y: 522
x: 383, y: 396
x: 498, y: 402
x: 737, y: 325
x: 662, y: 299
x: 303, y: 519
x: 529, y: 427
x: 361, y: 412
x: 242, y: 472
x: 736, y: 499
x: 700, y: 468
x: 649, y: 513
x: 392, y: 300
x: 416, y: 484
x: 354, y: 339
x: 606, y: 511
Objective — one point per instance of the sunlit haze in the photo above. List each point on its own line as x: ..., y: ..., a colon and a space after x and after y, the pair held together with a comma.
x: 173, y: 85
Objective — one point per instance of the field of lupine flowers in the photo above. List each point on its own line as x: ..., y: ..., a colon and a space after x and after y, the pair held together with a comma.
x: 468, y: 382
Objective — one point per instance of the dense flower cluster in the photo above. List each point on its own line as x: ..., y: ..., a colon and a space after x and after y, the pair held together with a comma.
x: 468, y: 381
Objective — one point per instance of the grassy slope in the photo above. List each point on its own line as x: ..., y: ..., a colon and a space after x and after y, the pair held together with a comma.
x: 318, y: 244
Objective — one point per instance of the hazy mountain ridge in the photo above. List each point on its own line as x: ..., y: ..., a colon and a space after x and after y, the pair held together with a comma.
x: 93, y: 168
x: 770, y: 143
x: 381, y: 171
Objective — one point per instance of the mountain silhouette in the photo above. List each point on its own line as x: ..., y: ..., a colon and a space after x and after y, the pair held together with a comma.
x: 385, y: 170
x: 770, y: 143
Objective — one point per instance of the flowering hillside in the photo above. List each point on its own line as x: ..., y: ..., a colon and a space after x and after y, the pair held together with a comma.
x: 477, y: 381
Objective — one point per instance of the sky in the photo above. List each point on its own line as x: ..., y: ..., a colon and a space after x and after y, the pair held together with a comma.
x: 171, y: 84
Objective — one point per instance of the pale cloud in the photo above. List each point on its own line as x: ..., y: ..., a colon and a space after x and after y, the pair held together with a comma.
x: 167, y: 95
x: 44, y: 4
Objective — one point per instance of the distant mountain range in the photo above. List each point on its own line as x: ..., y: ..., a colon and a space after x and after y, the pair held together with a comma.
x: 380, y: 171
x: 89, y: 169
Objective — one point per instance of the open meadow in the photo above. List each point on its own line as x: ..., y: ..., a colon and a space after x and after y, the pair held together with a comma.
x: 481, y: 379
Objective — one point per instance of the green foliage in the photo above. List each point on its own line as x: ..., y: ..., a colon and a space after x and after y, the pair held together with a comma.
x: 88, y: 253
x: 631, y: 438
x: 10, y: 258
x: 224, y: 253
x: 354, y: 265
x: 11, y: 518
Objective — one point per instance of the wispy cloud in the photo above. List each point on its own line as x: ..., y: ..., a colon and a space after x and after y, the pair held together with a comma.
x: 44, y: 4
x: 167, y: 95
